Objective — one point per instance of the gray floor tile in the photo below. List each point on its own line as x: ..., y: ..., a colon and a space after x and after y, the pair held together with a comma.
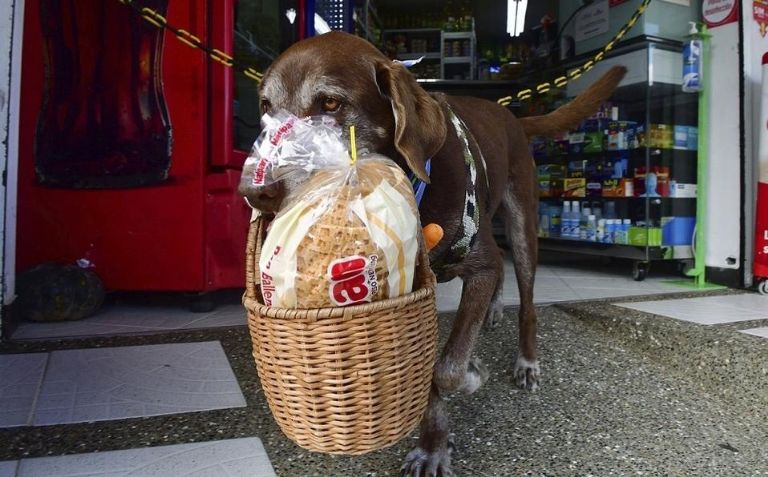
x: 762, y: 332
x: 135, y: 381
x: 558, y: 283
x: 708, y: 310
x: 228, y: 458
x: 117, y: 320
x: 8, y: 468
x: 20, y: 379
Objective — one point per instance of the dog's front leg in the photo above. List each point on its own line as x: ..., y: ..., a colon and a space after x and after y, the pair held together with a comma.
x: 456, y: 370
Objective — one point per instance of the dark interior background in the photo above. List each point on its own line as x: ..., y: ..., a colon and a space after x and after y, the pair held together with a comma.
x: 490, y: 15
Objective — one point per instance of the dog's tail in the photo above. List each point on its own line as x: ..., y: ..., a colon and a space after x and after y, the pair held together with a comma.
x: 581, y: 107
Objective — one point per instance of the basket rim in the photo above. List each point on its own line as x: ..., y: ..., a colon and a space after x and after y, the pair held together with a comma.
x: 338, y: 311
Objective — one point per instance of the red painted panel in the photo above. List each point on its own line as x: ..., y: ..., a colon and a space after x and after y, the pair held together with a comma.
x: 147, y: 238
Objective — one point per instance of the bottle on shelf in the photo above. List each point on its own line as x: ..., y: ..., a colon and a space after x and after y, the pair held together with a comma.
x: 566, y: 227
x: 586, y: 212
x: 625, y: 225
x: 575, y: 227
x: 597, y: 209
x: 591, y: 228
x: 600, y: 235
x: 692, y: 81
x: 554, y: 221
x: 610, y: 231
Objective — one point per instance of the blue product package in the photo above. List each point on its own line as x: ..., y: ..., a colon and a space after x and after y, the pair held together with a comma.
x: 677, y: 230
x: 693, y: 138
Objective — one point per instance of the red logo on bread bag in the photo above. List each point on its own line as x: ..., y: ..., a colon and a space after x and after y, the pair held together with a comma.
x: 353, y: 280
x: 260, y: 173
x: 282, y: 131
x: 267, y: 282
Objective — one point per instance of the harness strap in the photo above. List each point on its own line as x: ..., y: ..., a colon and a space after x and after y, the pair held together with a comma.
x: 469, y: 227
x: 419, y: 186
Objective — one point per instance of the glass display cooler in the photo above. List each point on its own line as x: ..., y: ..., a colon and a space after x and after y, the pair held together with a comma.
x: 131, y: 142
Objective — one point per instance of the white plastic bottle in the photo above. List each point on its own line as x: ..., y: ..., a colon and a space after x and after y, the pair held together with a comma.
x: 575, y: 221
x: 692, y: 53
x: 626, y: 224
x: 585, y: 213
x: 565, y: 221
x: 610, y: 231
x: 600, y: 236
x: 591, y: 228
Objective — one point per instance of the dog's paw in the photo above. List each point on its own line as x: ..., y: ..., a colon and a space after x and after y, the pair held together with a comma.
x: 420, y: 463
x: 495, y: 315
x: 451, y: 379
x: 527, y: 374
x: 477, y: 375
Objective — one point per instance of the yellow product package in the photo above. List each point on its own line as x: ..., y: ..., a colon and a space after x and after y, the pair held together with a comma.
x: 348, y: 235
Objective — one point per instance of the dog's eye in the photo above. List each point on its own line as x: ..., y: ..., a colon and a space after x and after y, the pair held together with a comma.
x: 266, y: 106
x: 331, y: 105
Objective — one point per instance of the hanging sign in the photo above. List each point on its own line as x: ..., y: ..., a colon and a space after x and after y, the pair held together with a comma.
x: 719, y: 12
x: 760, y: 14
x: 592, y: 21
x: 760, y: 265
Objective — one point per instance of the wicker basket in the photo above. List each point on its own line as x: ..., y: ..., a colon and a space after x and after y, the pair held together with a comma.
x: 344, y: 380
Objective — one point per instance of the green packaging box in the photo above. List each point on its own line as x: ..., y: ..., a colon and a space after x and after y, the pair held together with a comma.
x: 643, y: 236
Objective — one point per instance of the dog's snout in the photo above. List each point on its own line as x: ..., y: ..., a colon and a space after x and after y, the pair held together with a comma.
x: 269, y: 192
x: 266, y: 198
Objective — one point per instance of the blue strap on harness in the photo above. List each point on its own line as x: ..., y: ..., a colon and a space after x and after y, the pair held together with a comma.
x: 419, y: 186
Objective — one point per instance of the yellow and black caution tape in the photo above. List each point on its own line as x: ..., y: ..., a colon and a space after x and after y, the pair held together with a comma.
x: 588, y: 65
x: 158, y: 20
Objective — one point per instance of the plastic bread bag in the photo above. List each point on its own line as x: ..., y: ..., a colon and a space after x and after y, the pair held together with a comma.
x: 289, y: 149
x: 348, y: 234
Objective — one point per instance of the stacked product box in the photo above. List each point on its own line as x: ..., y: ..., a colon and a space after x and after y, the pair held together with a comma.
x: 593, y: 163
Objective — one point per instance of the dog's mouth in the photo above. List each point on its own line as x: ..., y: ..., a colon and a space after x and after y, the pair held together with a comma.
x: 267, y: 198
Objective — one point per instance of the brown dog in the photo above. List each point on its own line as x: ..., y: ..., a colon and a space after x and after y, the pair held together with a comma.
x: 480, y: 165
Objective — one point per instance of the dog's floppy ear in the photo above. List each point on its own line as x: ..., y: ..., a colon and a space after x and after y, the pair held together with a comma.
x: 419, y: 121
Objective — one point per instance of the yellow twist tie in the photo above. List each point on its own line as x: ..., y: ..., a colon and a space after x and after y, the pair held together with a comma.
x: 353, y: 145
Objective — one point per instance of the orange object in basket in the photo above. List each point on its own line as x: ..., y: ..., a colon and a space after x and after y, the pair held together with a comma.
x: 433, y: 233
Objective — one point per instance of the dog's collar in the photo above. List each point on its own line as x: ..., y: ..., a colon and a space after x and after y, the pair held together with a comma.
x: 470, y: 220
x: 419, y: 186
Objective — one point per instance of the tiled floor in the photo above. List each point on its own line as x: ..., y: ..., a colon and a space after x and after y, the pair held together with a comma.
x: 228, y: 458
x: 100, y: 384
x: 117, y: 383
x: 761, y: 332
x: 128, y: 319
x: 20, y: 379
x: 577, y: 280
x: 713, y: 310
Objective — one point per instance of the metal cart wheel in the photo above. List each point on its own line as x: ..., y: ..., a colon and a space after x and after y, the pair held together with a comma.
x: 640, y: 270
x: 762, y: 287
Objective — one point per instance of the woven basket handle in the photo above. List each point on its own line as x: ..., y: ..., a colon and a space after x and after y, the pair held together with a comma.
x: 256, y: 234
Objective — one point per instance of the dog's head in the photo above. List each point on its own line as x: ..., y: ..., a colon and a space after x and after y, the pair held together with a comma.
x: 344, y: 76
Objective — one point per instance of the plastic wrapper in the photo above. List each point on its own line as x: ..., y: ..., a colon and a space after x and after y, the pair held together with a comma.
x: 289, y: 149
x: 347, y: 233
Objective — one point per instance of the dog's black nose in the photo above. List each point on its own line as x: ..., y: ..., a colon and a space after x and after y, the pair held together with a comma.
x: 269, y: 192
x: 267, y: 198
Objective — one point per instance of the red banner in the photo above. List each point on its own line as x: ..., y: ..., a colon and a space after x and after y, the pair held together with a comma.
x: 761, y: 232
x: 760, y: 14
